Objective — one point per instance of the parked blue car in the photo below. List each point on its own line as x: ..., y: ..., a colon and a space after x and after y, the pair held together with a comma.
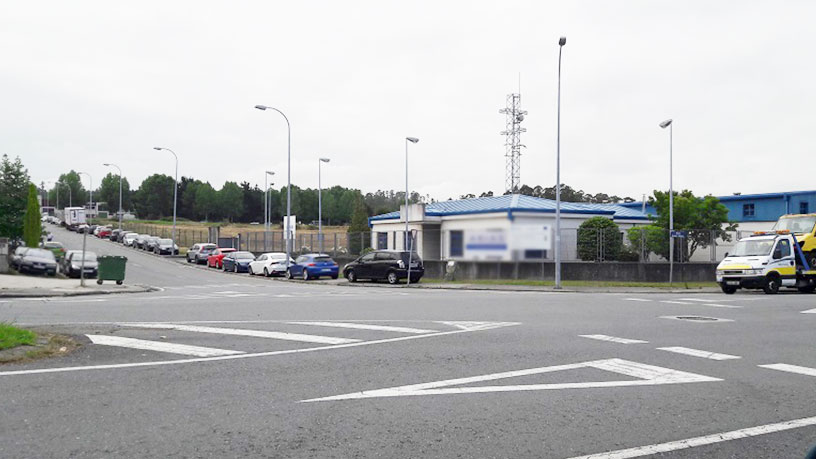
x: 237, y: 262
x: 313, y: 266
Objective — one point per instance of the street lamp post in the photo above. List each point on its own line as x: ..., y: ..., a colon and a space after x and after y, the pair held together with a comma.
x: 85, y: 237
x: 320, y: 204
x: 120, y: 191
x: 561, y: 42
x: 288, y: 231
x: 175, y: 194
x: 664, y: 125
x: 407, y: 233
x: 90, y: 188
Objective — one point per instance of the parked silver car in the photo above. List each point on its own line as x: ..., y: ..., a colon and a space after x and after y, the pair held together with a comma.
x: 196, y: 248
x: 129, y: 239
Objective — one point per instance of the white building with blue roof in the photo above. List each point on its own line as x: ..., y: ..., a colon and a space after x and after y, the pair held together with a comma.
x: 499, y: 228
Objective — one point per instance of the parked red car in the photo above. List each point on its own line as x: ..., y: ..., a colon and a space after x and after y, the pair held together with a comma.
x: 216, y: 259
x: 104, y: 233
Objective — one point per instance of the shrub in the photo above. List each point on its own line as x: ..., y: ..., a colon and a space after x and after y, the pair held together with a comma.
x: 599, y: 238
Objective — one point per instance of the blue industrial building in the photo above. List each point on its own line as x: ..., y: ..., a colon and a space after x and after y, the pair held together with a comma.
x: 765, y: 207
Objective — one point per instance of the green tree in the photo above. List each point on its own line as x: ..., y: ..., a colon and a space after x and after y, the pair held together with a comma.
x: 649, y: 238
x: 206, y: 200
x: 599, y: 238
x: 108, y: 193
x: 154, y: 198
x: 230, y: 201
x: 359, y: 225
x: 78, y: 195
x: 187, y: 198
x: 704, y: 218
x: 14, y: 191
x: 32, y: 223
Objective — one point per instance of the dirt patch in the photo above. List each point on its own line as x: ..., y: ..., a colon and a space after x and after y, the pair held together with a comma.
x: 47, y: 345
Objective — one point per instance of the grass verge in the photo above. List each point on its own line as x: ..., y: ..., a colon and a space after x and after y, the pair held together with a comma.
x: 11, y: 336
x: 19, y: 345
x: 566, y: 283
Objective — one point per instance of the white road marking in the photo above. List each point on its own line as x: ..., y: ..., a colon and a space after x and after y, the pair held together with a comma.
x: 637, y: 299
x: 707, y: 320
x: 365, y: 327
x: 729, y: 306
x: 699, y: 353
x: 791, y: 369
x: 647, y: 375
x: 648, y: 450
x: 477, y: 326
x: 614, y: 339
x: 244, y: 332
x: 809, y: 311
x: 226, y: 357
x: 197, y: 351
x: 675, y: 302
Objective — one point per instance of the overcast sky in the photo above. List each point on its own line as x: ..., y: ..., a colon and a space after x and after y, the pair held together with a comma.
x: 82, y: 83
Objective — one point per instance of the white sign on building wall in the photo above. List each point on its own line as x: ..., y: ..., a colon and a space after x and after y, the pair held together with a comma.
x: 530, y: 237
x: 490, y: 244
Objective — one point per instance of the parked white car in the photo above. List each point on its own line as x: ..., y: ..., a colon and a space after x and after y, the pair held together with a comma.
x: 130, y: 239
x: 269, y: 264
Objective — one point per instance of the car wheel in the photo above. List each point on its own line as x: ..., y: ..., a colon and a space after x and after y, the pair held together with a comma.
x: 288, y: 274
x: 351, y: 275
x: 811, y: 259
x: 392, y: 278
x: 305, y: 274
x: 235, y: 268
x: 266, y: 272
x: 728, y: 290
x: 771, y: 285
x: 335, y: 276
x: 249, y: 270
x: 99, y: 281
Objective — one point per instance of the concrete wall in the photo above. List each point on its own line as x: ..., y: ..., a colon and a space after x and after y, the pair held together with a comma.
x: 582, y: 271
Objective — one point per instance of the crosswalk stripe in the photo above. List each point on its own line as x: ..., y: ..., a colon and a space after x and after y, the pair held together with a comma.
x: 699, y: 353
x: 809, y: 311
x: 791, y: 369
x: 418, y: 331
x: 614, y: 339
x: 675, y: 302
x: 636, y: 299
x: 729, y: 306
x: 243, y: 332
x: 184, y: 349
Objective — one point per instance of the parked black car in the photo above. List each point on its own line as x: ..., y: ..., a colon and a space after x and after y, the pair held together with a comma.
x: 114, y: 235
x: 38, y: 261
x: 237, y: 262
x: 385, y: 264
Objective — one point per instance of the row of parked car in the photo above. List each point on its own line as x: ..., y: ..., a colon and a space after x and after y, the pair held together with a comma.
x: 388, y: 265
x: 147, y: 242
x: 51, y: 258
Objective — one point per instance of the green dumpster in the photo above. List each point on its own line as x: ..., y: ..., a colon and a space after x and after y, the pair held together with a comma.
x: 111, y: 268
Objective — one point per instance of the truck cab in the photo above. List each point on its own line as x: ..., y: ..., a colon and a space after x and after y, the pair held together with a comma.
x: 767, y: 261
x: 803, y: 227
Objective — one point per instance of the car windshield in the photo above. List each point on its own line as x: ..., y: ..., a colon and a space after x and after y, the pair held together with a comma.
x: 796, y: 225
x: 89, y: 256
x: 165, y: 241
x: 323, y: 260
x: 752, y: 247
x: 40, y: 253
x: 53, y: 245
x: 244, y: 256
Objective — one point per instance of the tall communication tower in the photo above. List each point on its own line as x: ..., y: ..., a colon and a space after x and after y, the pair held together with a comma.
x: 514, y: 117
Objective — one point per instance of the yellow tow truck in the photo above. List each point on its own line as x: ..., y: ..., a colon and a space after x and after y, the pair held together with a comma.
x: 803, y: 226
x: 768, y: 261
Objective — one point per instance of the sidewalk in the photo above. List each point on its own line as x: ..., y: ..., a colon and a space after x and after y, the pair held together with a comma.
x: 12, y: 286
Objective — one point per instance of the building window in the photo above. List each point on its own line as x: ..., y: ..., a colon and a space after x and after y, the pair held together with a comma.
x: 382, y: 241
x: 747, y: 210
x: 456, y: 244
x: 803, y: 207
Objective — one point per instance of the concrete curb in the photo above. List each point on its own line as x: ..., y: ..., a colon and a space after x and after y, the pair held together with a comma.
x: 41, y: 293
x: 521, y: 288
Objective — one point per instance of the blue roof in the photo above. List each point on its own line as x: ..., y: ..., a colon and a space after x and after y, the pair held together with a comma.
x: 518, y: 203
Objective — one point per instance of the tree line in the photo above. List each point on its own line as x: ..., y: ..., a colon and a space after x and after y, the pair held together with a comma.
x: 568, y: 194
x: 233, y: 202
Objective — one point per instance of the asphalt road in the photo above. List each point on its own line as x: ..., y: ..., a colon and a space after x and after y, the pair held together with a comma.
x: 231, y: 366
